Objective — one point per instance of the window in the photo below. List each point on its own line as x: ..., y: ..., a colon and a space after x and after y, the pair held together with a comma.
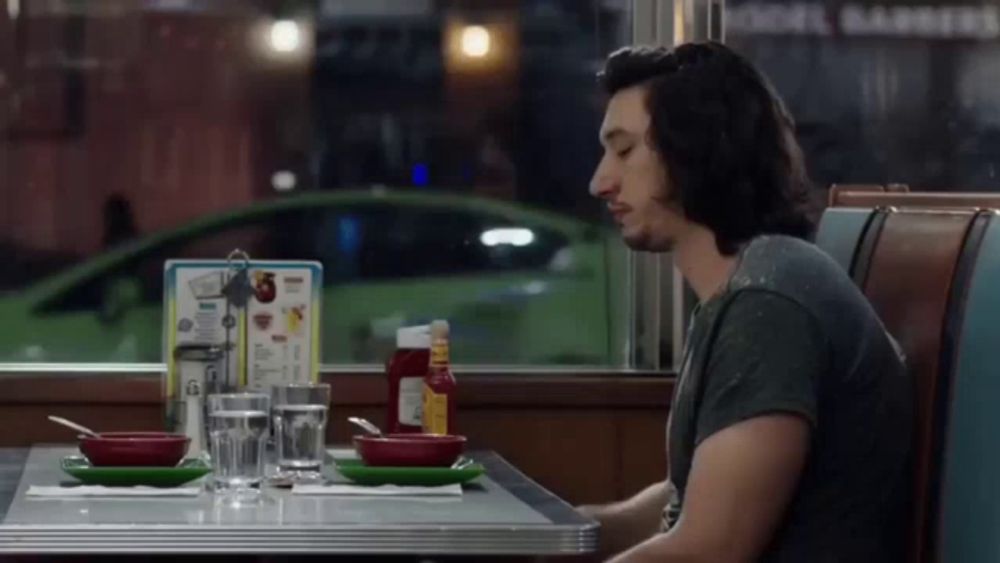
x: 434, y: 156
x: 900, y: 94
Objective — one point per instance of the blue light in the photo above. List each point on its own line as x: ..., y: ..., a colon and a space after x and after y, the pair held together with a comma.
x: 350, y: 234
x: 420, y: 174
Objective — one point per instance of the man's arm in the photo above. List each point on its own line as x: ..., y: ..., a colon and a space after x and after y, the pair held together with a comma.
x: 741, y: 481
x: 758, y: 407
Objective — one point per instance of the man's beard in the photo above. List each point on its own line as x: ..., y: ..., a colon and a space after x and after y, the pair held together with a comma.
x: 644, y: 242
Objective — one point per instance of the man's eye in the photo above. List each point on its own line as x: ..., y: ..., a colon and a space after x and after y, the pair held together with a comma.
x: 624, y: 152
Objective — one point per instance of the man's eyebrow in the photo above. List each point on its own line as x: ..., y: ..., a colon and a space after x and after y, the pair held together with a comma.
x: 613, y: 133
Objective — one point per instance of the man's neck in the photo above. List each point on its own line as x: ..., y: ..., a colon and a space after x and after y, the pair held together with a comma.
x: 700, y: 262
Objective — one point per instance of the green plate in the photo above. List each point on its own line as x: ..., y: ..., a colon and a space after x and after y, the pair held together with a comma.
x: 187, y: 470
x: 357, y: 471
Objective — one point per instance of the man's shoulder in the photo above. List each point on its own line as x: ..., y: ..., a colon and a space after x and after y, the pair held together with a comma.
x: 800, y: 272
x: 795, y: 269
x: 774, y: 259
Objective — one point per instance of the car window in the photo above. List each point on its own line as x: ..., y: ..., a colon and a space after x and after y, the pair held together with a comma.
x: 356, y: 243
x: 383, y: 242
x: 256, y: 236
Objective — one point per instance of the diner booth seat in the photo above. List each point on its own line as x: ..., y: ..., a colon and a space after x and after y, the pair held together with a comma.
x: 970, y: 500
x: 926, y: 268
x: 907, y: 266
x: 840, y: 232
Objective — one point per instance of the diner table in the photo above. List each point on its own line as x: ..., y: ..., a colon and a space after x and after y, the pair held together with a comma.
x: 503, y: 512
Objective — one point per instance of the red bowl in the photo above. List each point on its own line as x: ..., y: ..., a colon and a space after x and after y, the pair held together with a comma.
x: 132, y: 449
x: 410, y: 450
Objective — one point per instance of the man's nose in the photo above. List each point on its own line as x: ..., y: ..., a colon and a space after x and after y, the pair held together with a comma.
x: 602, y: 184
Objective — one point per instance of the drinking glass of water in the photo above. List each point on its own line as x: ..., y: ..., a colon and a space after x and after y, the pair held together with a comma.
x: 237, y: 429
x: 300, y: 413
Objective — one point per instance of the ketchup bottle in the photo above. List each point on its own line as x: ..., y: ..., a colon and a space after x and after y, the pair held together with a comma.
x: 406, y: 370
x: 440, y: 387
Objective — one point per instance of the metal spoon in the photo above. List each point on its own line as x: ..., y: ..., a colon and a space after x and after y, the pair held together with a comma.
x: 368, y: 426
x: 462, y: 463
x: 74, y: 426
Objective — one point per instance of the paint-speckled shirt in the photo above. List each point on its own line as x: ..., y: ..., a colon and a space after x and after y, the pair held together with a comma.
x: 791, y: 333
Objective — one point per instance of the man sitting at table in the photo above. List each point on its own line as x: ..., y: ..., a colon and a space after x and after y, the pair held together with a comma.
x: 790, y: 429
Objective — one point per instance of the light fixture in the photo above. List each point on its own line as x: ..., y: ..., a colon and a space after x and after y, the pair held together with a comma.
x: 514, y: 236
x: 286, y: 36
x: 283, y: 181
x: 475, y: 41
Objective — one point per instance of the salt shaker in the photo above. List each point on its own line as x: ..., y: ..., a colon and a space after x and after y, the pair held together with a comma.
x: 201, y: 364
x: 194, y: 423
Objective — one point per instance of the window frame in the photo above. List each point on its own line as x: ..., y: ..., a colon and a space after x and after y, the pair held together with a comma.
x: 661, y: 302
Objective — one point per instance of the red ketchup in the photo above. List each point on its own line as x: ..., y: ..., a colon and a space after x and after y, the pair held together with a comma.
x: 440, y: 388
x: 406, y: 370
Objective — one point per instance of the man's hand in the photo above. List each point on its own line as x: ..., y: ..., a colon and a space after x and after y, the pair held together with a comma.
x: 741, y: 481
x: 627, y: 523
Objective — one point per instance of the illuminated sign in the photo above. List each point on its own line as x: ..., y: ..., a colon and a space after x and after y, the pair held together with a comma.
x: 912, y: 22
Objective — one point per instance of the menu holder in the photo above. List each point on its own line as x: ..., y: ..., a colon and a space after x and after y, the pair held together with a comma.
x: 264, y: 316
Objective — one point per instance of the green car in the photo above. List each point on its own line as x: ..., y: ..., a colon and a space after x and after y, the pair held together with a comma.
x: 519, y: 285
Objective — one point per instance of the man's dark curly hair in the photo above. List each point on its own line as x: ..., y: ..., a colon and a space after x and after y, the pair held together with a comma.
x: 726, y: 140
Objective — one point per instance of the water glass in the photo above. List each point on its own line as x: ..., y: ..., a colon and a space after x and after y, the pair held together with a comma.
x: 237, y: 429
x: 300, y: 414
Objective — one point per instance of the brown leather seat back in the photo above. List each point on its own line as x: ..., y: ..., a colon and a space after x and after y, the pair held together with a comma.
x: 906, y: 264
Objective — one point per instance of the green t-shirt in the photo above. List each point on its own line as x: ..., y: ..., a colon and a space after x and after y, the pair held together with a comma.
x: 791, y: 333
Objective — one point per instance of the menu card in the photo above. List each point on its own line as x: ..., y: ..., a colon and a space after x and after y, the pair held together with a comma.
x: 273, y: 338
